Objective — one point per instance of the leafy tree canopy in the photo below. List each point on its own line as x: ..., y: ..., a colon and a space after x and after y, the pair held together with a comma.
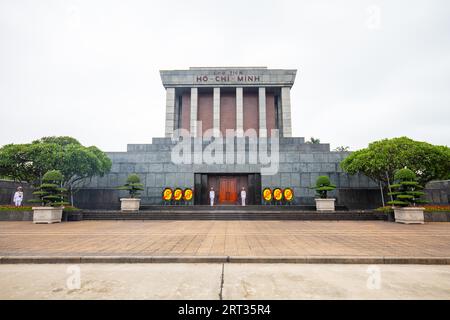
x: 29, y: 162
x: 62, y: 141
x: 323, y: 185
x: 383, y: 158
x: 407, y: 190
x: 133, y: 185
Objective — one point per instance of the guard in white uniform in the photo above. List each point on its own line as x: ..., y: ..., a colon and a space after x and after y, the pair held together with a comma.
x: 18, y: 197
x: 243, y: 196
x: 212, y: 195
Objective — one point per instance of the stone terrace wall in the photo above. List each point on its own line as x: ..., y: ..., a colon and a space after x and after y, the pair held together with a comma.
x: 438, y: 192
x: 300, y: 165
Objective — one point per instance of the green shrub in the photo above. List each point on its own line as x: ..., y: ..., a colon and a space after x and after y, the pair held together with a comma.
x: 133, y: 185
x: 7, y: 208
x: 323, y: 185
x: 50, y: 192
x: 52, y: 176
x: 385, y: 209
x: 406, y: 189
x: 71, y: 209
x: 404, y: 174
x: 14, y: 208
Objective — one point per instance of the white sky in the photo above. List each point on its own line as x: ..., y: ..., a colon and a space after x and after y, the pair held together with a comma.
x: 367, y: 70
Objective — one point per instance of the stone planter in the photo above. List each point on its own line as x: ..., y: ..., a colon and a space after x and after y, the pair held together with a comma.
x: 47, y: 214
x: 409, y: 215
x: 325, y: 205
x: 130, y: 204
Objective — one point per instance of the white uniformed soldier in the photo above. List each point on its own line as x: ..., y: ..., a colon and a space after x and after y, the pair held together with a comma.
x: 212, y: 195
x: 243, y: 196
x: 18, y: 197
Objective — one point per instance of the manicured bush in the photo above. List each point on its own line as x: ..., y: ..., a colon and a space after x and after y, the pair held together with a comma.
x: 7, y: 208
x: 406, y: 189
x: 133, y: 185
x: 323, y: 185
x: 71, y: 209
x: 14, y: 208
x: 385, y: 209
x: 50, y: 192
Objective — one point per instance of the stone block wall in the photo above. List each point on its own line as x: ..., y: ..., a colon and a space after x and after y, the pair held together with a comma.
x: 300, y: 165
x: 438, y: 192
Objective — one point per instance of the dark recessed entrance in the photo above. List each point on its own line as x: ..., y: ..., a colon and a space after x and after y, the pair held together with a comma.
x: 227, y: 188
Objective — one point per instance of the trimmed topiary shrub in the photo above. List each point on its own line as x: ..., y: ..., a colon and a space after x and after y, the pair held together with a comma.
x: 407, y: 191
x: 50, y: 192
x: 323, y: 185
x: 133, y: 185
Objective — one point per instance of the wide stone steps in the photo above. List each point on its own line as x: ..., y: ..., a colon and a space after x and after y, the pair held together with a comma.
x: 232, y: 215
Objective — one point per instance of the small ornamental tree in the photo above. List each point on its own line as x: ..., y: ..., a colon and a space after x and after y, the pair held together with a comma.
x: 50, y: 192
x: 133, y: 185
x: 406, y: 190
x: 323, y: 185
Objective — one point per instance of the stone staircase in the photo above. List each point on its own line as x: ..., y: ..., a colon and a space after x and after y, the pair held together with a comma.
x: 231, y: 213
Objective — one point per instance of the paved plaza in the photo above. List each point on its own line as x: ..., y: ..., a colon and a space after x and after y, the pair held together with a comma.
x: 223, y: 281
x: 225, y: 238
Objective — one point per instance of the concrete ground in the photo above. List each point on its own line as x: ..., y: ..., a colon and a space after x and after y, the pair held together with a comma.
x: 225, y: 238
x: 223, y: 281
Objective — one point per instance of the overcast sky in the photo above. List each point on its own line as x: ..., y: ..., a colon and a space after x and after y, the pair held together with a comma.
x: 367, y: 70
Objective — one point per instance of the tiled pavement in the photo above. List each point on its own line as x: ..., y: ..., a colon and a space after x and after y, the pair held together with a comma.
x: 231, y: 238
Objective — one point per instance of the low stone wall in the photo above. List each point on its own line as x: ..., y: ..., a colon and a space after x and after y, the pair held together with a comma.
x: 28, y: 216
x: 359, y: 198
x: 428, y: 217
x: 437, y: 216
x: 97, y: 199
x: 16, y: 215
x: 438, y: 192
x: 78, y: 216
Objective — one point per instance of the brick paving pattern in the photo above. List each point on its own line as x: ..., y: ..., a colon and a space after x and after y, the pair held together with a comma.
x: 225, y: 238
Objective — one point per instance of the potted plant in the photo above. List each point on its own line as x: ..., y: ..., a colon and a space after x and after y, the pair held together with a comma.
x: 51, y: 196
x: 407, y: 194
x: 133, y: 186
x: 323, y: 203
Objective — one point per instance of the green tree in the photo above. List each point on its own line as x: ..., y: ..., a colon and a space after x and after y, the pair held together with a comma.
x: 26, y: 162
x: 383, y: 158
x: 50, y: 192
x: 407, y: 189
x: 29, y: 162
x: 62, y: 141
x: 133, y: 185
x: 323, y: 185
x: 313, y: 140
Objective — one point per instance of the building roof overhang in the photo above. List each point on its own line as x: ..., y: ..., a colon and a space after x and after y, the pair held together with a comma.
x: 228, y: 77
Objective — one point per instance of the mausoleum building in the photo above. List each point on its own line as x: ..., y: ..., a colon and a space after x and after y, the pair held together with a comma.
x: 229, y: 128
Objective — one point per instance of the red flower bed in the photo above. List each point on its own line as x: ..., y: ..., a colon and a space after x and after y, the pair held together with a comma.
x: 428, y: 208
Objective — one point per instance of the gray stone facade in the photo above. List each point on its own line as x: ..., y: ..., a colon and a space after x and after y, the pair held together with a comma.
x: 229, y: 76
x: 300, y: 165
x: 261, y: 78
